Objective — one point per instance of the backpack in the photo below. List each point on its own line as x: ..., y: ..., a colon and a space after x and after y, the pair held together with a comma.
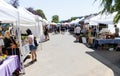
x: 35, y: 42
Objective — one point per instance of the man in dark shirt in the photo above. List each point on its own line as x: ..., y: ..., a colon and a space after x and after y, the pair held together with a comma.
x: 116, y: 31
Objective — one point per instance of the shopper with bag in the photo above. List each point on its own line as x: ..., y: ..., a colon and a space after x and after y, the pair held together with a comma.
x: 32, y: 45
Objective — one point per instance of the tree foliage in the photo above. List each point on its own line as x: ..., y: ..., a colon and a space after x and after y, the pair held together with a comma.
x: 30, y: 9
x: 73, y: 18
x: 55, y: 18
x: 38, y: 12
x: 14, y: 3
x: 111, y: 6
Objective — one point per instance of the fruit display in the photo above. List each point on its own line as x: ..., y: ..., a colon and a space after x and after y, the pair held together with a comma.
x: 24, y: 40
x: 2, y: 58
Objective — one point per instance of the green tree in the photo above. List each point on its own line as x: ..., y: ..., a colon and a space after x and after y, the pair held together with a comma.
x: 30, y: 9
x: 14, y: 3
x: 73, y: 18
x: 40, y: 13
x: 111, y: 6
x: 55, y: 18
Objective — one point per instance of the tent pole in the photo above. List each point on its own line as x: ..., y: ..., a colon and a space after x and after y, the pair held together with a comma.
x: 20, y: 42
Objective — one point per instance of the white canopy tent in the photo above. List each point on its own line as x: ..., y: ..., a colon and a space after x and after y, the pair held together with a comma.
x: 44, y: 22
x: 22, y: 20
x: 32, y: 22
x: 103, y: 18
x: 40, y: 28
x: 26, y: 17
x: 7, y: 12
x: 76, y: 21
x: 27, y: 21
x: 72, y: 22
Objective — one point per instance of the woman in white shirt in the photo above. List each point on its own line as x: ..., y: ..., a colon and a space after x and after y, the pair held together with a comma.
x: 32, y: 45
x: 77, y: 32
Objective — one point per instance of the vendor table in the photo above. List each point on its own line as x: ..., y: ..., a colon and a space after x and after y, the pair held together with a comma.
x: 98, y: 42
x: 9, y: 65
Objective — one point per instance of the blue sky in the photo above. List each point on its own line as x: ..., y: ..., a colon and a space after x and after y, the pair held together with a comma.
x: 65, y: 9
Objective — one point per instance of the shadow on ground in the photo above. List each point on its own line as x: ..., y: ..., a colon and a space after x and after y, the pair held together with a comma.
x: 28, y: 64
x: 109, y: 58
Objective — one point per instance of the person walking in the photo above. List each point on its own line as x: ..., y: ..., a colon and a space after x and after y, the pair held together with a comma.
x: 46, y: 33
x: 116, y: 31
x: 32, y: 45
x: 77, y: 32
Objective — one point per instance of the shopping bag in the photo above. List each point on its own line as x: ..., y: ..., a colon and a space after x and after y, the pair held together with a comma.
x: 84, y: 40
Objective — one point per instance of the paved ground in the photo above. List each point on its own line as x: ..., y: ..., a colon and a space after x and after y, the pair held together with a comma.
x: 60, y: 56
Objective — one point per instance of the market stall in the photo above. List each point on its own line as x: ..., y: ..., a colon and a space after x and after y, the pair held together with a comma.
x: 10, y: 15
x: 9, y: 65
x: 106, y: 40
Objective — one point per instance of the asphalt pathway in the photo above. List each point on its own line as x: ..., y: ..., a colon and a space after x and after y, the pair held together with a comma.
x: 60, y: 56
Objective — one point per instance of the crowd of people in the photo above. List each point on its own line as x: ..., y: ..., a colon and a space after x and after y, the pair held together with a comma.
x: 88, y: 35
x: 56, y: 29
x: 8, y: 43
x: 80, y: 30
x: 9, y: 46
x: 74, y: 29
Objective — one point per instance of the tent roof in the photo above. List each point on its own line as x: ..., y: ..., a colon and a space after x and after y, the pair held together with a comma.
x: 7, y: 12
x: 103, y: 18
x: 25, y: 16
